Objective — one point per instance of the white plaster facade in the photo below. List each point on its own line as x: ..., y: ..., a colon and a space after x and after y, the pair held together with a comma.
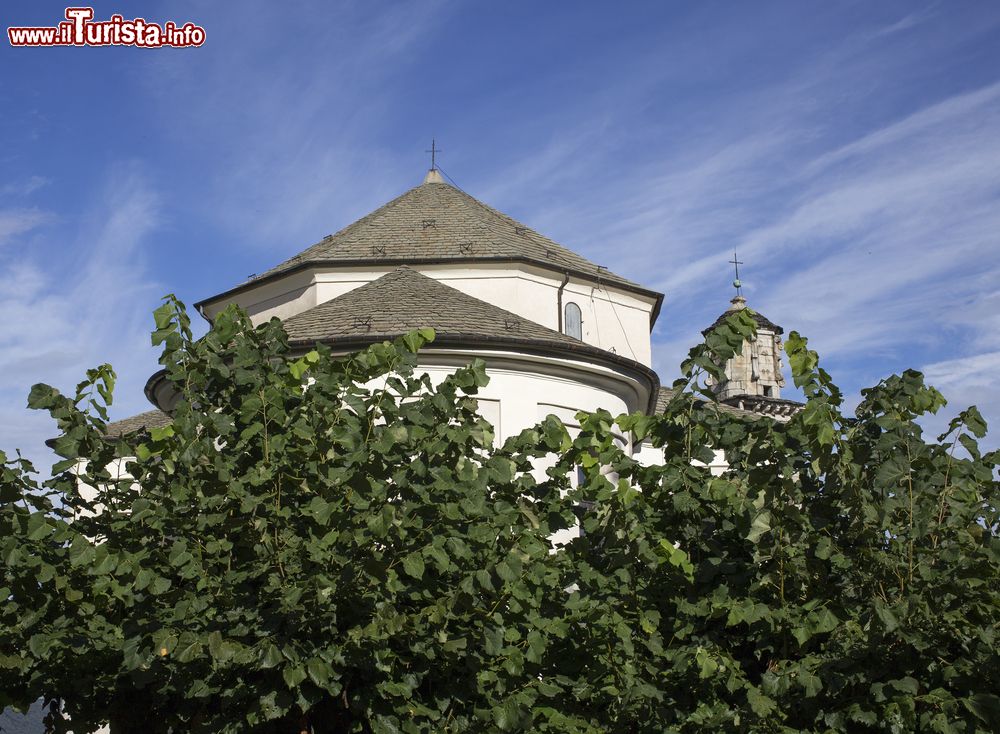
x: 613, y: 319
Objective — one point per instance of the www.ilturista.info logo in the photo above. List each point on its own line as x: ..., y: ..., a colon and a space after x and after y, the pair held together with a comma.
x: 80, y: 29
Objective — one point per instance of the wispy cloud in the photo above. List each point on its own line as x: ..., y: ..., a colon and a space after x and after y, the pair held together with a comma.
x: 878, y: 235
x: 14, y: 222
x: 902, y: 222
x: 969, y: 380
x: 301, y: 154
x: 62, y: 318
x: 24, y: 188
x: 907, y: 22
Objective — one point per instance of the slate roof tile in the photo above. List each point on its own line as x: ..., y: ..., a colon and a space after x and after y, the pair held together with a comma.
x: 762, y: 322
x: 666, y: 393
x: 149, y: 419
x: 437, y: 222
x: 404, y: 300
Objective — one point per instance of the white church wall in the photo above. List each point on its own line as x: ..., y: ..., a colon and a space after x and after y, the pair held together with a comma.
x: 523, y: 390
x: 283, y: 298
x: 89, y: 492
x: 647, y: 455
x: 612, y: 319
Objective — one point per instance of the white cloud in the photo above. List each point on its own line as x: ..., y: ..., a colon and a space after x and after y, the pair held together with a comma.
x: 972, y: 373
x: 62, y: 317
x: 906, y: 22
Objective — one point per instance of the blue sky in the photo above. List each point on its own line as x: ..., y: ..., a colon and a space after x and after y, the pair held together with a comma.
x: 850, y: 151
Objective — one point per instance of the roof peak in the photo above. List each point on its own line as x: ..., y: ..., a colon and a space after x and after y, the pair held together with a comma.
x: 438, y: 223
x: 442, y: 223
x: 739, y: 303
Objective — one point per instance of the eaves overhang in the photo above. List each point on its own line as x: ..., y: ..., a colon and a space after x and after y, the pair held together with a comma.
x: 655, y: 296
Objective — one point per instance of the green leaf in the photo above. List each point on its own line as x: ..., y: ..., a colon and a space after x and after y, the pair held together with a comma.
x: 220, y: 650
x: 810, y: 683
x: 413, y: 564
x: 906, y: 685
x: 188, y: 648
x: 319, y: 672
x: 293, y: 675
x: 707, y: 666
x: 761, y: 524
x: 159, y: 434
x: 270, y: 656
x: 974, y: 421
x: 761, y: 704
x: 985, y: 706
x: 676, y: 557
x: 887, y: 616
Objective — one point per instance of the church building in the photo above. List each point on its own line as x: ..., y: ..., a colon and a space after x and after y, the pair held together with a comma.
x: 559, y: 334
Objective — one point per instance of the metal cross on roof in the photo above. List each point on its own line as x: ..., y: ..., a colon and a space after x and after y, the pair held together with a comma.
x: 433, y: 150
x: 736, y: 283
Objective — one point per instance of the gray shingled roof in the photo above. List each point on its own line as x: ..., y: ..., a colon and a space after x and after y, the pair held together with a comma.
x: 664, y: 395
x: 433, y: 223
x: 149, y: 419
x: 762, y: 322
x: 404, y: 300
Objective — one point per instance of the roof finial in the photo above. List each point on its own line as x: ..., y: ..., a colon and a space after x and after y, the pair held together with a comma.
x: 738, y: 301
x: 433, y: 175
x: 737, y: 284
x: 433, y: 150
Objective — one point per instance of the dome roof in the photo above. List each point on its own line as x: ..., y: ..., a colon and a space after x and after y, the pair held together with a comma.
x: 738, y: 304
x: 438, y: 223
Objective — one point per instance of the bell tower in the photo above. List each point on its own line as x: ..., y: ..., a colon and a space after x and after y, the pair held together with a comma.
x: 756, y: 371
x: 754, y: 377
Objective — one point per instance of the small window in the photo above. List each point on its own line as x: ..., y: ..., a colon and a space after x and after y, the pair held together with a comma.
x: 573, y: 321
x: 767, y: 391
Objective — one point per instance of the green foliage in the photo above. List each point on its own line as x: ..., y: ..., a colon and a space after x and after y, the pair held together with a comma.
x: 334, y: 544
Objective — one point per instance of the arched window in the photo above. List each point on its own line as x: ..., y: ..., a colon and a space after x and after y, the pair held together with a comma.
x: 573, y: 321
